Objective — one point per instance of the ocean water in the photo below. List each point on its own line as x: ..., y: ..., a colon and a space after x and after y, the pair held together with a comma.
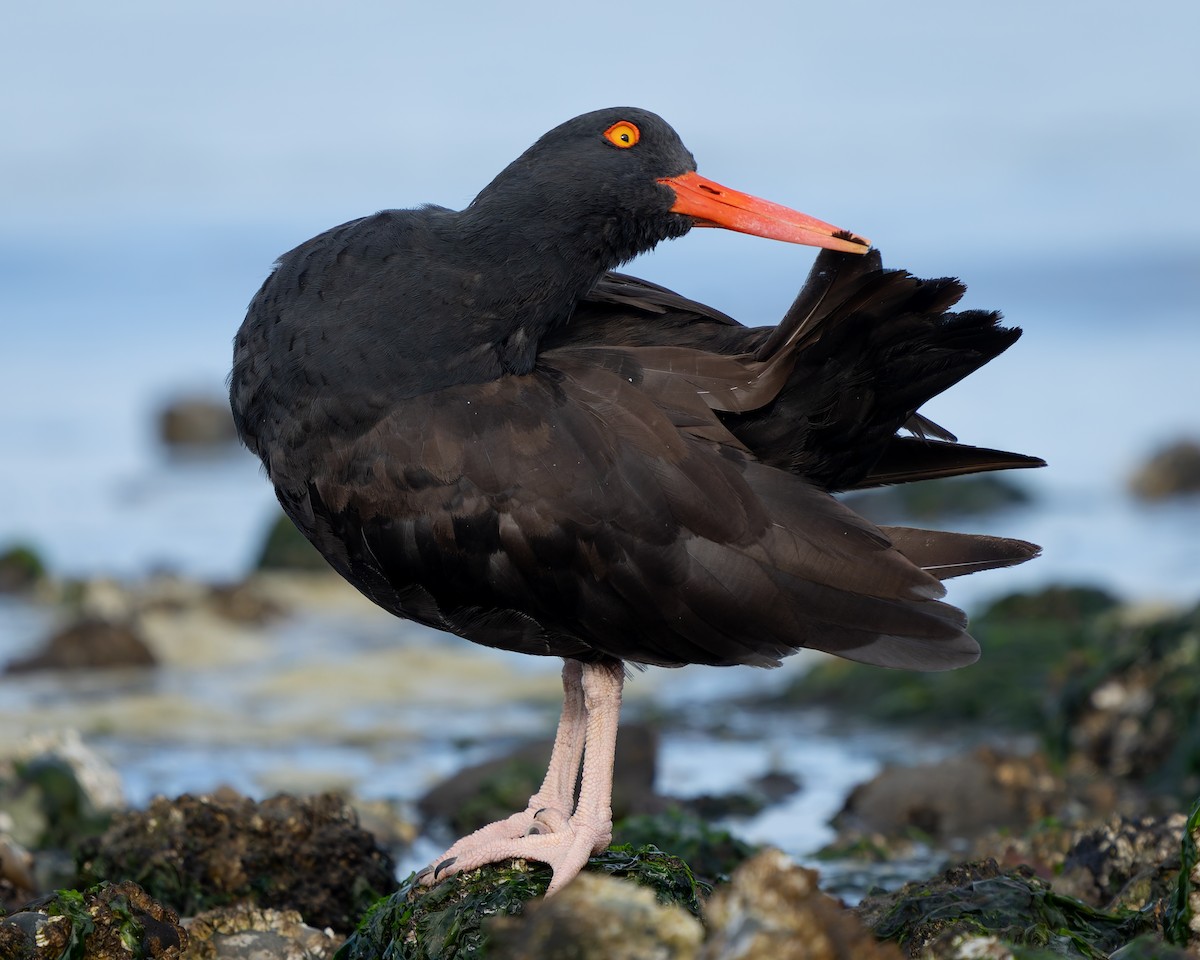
x: 159, y: 157
x: 151, y: 185
x: 100, y: 335
x: 1104, y: 374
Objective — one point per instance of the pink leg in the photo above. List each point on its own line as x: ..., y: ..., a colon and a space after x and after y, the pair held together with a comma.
x: 557, y: 793
x: 558, y: 788
x: 544, y: 830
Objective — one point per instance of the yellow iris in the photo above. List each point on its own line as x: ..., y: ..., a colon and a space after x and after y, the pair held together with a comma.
x: 622, y: 134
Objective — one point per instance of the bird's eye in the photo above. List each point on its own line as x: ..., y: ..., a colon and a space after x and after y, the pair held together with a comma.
x: 622, y: 134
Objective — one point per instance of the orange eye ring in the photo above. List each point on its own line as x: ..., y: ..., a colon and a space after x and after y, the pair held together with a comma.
x: 622, y: 134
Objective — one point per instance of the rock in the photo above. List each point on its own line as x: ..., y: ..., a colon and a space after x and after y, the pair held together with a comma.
x: 1110, y: 691
x: 452, y: 919
x: 773, y: 910
x: 56, y: 790
x: 104, y: 598
x: 1125, y: 863
x: 286, y: 548
x: 243, y: 603
x: 597, y: 917
x: 957, y: 798
x: 388, y: 820
x: 196, y: 853
x: 88, y: 644
x: 17, y: 883
x: 107, y: 922
x: 1042, y: 846
x: 977, y: 903
x: 249, y: 933
x: 196, y: 423
x: 1130, y: 716
x: 489, y: 791
x: 20, y: 568
x: 1173, y: 471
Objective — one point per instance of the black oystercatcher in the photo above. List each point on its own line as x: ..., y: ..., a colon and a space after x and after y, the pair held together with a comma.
x: 486, y: 431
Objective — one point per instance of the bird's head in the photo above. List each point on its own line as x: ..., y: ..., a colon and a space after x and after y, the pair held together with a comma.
x: 621, y: 180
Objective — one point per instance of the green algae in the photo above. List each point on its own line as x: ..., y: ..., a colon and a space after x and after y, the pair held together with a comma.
x: 449, y: 921
x: 1183, y: 909
x: 1015, y: 906
x: 712, y: 853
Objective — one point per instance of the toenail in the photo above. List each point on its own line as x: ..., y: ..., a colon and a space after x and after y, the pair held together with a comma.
x: 442, y: 866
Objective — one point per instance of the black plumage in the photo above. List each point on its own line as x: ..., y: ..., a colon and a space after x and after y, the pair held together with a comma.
x: 486, y: 430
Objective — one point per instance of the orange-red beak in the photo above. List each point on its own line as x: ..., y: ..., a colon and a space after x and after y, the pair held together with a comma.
x: 712, y: 205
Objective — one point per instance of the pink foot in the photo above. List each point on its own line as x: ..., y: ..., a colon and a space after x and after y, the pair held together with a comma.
x: 544, y: 831
x: 565, y: 843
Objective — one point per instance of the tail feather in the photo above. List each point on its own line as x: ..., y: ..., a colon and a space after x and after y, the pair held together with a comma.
x: 906, y: 459
x: 867, y: 348
x: 825, y: 396
x: 945, y: 555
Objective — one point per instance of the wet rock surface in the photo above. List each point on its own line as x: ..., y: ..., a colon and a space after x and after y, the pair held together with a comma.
x: 254, y: 600
x: 243, y: 602
x: 1083, y: 819
x: 89, y: 644
x: 54, y: 792
x: 110, y: 921
x: 597, y: 917
x: 979, y: 900
x: 251, y: 933
x: 1132, y: 717
x: 773, y: 910
x: 454, y: 918
x: 1124, y: 863
x: 961, y: 797
x: 1173, y: 471
x: 196, y: 853
x: 184, y: 622
x: 17, y: 882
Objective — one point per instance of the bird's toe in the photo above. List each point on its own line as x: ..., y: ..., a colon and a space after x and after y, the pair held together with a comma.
x: 549, y: 820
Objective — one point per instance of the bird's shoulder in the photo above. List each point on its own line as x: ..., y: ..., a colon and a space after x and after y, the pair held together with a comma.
x: 354, y: 253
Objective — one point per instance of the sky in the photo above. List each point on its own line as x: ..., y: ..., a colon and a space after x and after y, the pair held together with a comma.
x: 158, y: 156
x: 924, y: 125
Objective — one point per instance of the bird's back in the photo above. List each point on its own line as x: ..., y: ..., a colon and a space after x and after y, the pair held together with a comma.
x: 625, y: 499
